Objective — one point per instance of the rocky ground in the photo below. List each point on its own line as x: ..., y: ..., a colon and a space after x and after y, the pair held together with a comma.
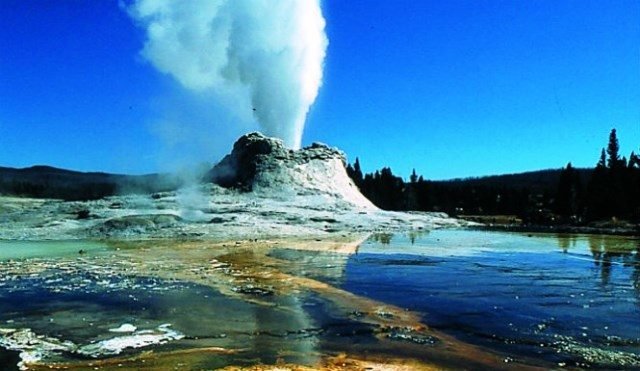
x: 203, y: 212
x: 260, y: 190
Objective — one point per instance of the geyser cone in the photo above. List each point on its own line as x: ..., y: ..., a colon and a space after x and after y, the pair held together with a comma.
x: 261, y: 164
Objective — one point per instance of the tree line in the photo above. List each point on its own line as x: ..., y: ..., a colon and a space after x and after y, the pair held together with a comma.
x: 569, y: 195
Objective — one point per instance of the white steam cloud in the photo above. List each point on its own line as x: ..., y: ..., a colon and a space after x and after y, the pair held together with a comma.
x: 263, y: 56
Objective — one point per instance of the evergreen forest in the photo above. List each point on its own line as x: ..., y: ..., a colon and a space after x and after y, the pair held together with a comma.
x: 609, y: 190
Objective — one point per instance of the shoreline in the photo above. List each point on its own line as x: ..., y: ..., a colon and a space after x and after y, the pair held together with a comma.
x: 568, y: 229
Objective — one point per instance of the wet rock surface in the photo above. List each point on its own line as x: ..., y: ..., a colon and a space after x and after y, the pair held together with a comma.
x: 218, y: 214
x: 412, y: 337
x: 253, y: 290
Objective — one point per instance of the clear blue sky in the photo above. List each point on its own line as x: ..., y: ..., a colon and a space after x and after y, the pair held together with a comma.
x: 452, y: 88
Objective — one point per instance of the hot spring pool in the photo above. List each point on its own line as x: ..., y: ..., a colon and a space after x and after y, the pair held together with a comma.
x: 537, y: 300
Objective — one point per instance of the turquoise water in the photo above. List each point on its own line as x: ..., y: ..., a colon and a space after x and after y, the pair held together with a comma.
x: 43, y: 249
x: 565, y: 300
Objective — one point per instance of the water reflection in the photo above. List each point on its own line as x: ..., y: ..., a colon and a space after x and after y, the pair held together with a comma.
x: 416, y: 235
x: 566, y: 241
x: 287, y: 302
x: 247, y: 305
x: 608, y: 251
x: 383, y: 238
x: 516, y: 291
x: 635, y: 276
x: 387, y: 238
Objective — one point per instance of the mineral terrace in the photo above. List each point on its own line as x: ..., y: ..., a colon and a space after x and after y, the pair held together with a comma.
x: 260, y: 190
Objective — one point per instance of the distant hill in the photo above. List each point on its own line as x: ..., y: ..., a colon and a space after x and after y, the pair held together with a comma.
x: 540, y: 180
x: 50, y: 182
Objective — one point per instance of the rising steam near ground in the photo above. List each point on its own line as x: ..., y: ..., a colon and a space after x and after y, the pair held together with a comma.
x: 260, y: 58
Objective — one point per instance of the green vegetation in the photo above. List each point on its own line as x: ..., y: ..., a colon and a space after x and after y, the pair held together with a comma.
x: 573, y: 196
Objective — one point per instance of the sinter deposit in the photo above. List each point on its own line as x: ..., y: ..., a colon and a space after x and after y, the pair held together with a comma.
x: 260, y: 190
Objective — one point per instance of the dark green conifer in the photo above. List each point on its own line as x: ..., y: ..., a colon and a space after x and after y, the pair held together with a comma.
x: 602, y: 163
x: 357, y: 172
x: 414, y: 176
x: 613, y: 149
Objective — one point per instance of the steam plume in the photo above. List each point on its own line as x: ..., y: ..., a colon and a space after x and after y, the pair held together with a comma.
x: 266, y: 54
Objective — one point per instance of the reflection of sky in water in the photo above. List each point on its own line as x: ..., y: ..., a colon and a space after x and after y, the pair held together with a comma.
x: 65, y: 297
x: 564, y: 299
x: 527, y: 294
x: 85, y: 310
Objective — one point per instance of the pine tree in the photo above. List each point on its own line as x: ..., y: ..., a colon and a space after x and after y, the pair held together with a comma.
x: 568, y: 192
x: 357, y: 172
x: 612, y: 150
x: 411, y: 192
x: 414, y: 177
x: 350, y: 172
x: 597, y: 195
x: 602, y: 163
x: 634, y: 160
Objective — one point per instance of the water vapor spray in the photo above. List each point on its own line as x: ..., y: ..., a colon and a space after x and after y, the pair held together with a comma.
x: 261, y: 57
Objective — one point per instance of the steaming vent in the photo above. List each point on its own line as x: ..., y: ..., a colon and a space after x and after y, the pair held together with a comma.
x: 259, y: 58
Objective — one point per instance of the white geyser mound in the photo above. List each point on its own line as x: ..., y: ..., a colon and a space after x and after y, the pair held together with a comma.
x: 267, y: 54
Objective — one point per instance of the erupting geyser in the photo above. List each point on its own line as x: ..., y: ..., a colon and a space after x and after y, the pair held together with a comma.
x: 268, y: 53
